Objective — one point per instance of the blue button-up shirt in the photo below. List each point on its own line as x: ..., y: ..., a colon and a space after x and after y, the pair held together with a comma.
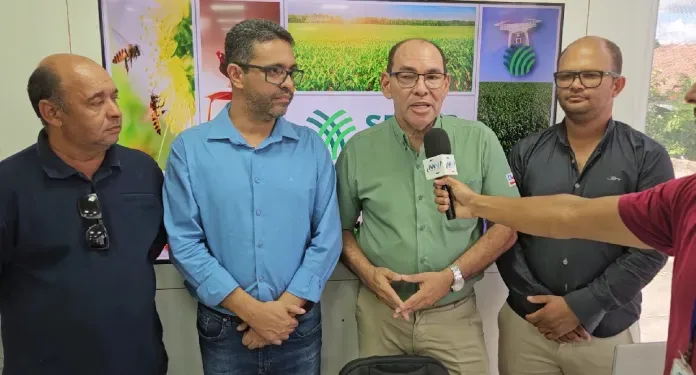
x: 264, y: 219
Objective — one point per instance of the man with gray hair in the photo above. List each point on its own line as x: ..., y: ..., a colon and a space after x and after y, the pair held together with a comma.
x: 251, y: 212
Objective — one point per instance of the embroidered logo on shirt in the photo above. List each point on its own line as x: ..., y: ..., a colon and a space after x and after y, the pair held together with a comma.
x: 510, y: 179
x: 613, y: 178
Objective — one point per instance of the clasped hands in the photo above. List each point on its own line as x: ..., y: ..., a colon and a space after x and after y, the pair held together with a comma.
x: 556, y: 321
x: 272, y: 323
x: 432, y: 287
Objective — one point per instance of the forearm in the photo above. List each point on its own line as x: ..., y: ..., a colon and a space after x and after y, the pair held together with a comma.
x: 354, y: 258
x: 323, y: 251
x: 486, y: 250
x: 320, y: 257
x: 560, y: 216
x: 291, y: 299
x: 519, y: 279
x: 539, y: 216
x: 618, y: 285
x: 241, y: 304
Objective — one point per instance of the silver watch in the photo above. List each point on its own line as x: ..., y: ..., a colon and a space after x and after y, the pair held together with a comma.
x: 458, y: 283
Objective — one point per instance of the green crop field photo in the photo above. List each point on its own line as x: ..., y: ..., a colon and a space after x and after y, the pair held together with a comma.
x: 514, y: 110
x: 337, y: 55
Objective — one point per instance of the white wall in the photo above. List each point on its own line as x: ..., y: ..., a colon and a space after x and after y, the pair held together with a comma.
x: 633, y: 30
x: 73, y: 26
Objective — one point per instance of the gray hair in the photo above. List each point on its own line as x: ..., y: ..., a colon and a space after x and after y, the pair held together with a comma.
x: 239, y: 41
x: 44, y: 84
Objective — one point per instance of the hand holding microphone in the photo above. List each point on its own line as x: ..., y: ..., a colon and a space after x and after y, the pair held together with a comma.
x: 452, y: 196
x: 439, y: 162
x: 450, y: 192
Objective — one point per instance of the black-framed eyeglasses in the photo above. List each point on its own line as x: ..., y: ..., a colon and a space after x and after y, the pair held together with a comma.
x: 96, y: 235
x: 275, y: 74
x: 588, y: 78
x: 408, y: 80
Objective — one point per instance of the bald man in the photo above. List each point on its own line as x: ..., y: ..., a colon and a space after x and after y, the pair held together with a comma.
x: 80, y: 227
x: 572, y: 301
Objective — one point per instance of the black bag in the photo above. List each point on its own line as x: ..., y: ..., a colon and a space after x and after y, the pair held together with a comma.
x: 394, y: 365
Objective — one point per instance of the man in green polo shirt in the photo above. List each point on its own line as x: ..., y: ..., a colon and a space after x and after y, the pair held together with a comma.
x: 417, y: 268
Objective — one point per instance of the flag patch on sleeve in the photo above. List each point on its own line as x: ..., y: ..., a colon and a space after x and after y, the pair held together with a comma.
x: 510, y: 179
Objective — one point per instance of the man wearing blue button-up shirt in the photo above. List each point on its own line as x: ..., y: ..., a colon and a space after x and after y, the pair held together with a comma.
x: 251, y: 213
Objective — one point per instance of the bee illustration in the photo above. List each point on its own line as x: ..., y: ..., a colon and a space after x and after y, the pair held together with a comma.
x: 127, y: 54
x: 156, y: 105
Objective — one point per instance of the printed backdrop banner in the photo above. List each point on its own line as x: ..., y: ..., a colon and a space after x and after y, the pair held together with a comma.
x: 164, y: 57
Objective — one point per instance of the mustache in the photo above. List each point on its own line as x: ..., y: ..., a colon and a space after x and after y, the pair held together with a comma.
x: 282, y: 93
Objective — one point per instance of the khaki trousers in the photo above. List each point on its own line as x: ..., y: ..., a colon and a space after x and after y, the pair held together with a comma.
x: 452, y: 334
x: 523, y: 350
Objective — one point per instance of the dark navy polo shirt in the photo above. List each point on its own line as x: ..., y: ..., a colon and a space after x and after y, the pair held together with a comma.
x: 67, y: 309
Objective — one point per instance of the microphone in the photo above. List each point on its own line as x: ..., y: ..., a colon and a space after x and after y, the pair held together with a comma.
x: 439, y: 160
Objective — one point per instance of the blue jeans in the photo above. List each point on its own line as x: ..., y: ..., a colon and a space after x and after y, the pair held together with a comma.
x: 223, y: 353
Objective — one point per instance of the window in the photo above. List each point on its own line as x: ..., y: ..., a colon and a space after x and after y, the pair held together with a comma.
x: 671, y: 122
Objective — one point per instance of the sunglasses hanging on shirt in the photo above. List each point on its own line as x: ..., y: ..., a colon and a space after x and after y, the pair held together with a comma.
x: 96, y: 235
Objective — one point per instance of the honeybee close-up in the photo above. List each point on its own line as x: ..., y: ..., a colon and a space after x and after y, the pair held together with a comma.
x: 156, y: 105
x: 127, y: 54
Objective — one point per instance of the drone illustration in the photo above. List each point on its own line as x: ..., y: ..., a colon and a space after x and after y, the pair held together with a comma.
x: 520, y: 31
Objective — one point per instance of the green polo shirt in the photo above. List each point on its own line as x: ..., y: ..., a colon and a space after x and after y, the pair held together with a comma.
x: 381, y: 176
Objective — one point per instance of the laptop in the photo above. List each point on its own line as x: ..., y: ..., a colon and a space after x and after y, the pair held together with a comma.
x: 639, y: 359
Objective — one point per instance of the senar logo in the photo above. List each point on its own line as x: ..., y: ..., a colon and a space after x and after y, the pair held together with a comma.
x: 332, y: 129
x: 519, y: 60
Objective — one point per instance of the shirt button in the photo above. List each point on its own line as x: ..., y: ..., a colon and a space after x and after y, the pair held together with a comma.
x: 260, y: 245
x: 422, y: 228
x: 577, y: 186
x: 417, y: 166
x: 422, y: 260
x: 257, y: 180
x: 420, y: 197
x: 261, y: 278
x: 565, y: 261
x: 258, y: 213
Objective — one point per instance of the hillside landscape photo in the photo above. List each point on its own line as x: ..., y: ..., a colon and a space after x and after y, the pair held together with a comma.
x: 341, y: 49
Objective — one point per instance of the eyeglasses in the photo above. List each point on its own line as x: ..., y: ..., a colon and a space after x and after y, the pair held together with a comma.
x: 588, y: 78
x: 276, y: 75
x: 96, y: 236
x: 408, y: 80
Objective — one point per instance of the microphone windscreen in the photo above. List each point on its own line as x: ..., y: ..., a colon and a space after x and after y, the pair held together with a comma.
x: 436, y: 142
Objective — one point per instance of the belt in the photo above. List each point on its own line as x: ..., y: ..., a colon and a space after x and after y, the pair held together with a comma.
x: 237, y: 320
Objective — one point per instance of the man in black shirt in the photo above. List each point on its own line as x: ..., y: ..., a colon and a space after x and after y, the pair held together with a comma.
x: 569, y: 307
x: 80, y: 227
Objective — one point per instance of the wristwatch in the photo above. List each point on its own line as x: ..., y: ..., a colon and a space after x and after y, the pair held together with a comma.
x: 458, y: 283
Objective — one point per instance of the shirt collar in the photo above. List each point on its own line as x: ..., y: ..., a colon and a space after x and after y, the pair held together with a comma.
x: 563, y: 134
x: 221, y: 127
x: 55, y: 167
x: 402, y: 137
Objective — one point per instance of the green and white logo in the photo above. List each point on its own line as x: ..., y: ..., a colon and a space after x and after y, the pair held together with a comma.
x: 519, y: 57
x: 519, y: 60
x: 333, y: 129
